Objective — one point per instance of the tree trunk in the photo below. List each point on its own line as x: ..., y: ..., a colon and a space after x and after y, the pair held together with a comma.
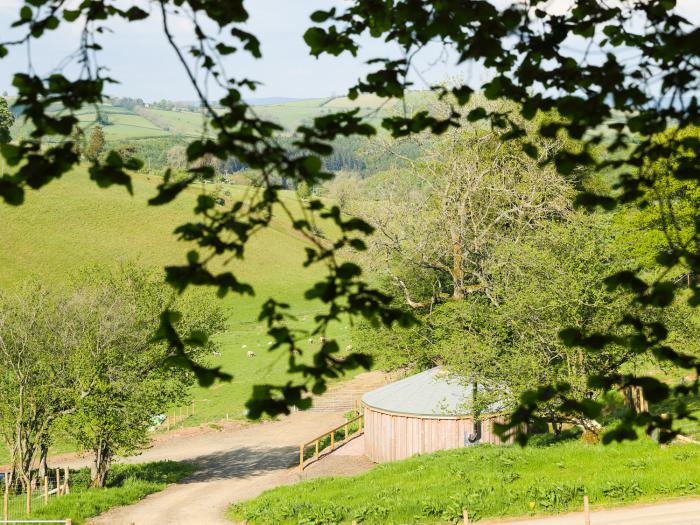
x: 100, y: 465
x: 556, y: 425
x: 25, y: 466
x: 43, y: 461
x: 457, y: 270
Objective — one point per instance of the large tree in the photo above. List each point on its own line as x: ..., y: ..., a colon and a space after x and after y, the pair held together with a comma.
x: 443, y: 215
x: 129, y: 385
x: 40, y: 347
x: 635, y: 60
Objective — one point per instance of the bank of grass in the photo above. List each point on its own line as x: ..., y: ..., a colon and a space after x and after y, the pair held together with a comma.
x: 489, y: 481
x: 126, y: 484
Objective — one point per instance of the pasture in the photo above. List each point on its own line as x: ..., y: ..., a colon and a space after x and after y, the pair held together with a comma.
x: 73, y: 224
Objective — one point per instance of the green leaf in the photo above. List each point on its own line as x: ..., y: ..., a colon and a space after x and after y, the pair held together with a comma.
x: 476, y: 114
x: 71, y: 15
x: 135, y: 13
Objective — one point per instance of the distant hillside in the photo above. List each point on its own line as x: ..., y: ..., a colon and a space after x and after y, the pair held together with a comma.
x: 265, y: 101
x: 149, y: 121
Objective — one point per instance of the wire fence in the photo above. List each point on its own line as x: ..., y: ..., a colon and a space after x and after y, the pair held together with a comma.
x: 20, y: 500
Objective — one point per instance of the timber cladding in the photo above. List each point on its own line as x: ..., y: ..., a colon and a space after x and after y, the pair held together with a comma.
x: 391, y: 436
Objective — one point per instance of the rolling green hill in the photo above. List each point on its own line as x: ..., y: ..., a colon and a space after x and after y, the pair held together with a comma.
x: 124, y: 124
x: 71, y: 224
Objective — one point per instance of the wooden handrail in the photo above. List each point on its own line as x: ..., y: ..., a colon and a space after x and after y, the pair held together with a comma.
x: 317, y: 441
x: 348, y: 422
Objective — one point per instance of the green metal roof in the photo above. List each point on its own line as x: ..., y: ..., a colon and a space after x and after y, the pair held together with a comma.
x: 434, y: 392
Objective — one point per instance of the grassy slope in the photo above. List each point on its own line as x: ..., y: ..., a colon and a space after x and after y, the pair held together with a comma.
x: 186, y: 123
x: 126, y: 125
x: 72, y: 224
x: 489, y: 481
x: 126, y: 484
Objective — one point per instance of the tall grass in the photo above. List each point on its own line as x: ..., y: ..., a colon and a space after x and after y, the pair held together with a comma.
x: 489, y: 481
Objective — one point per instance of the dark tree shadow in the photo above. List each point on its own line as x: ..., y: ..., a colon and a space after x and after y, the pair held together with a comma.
x: 241, y: 463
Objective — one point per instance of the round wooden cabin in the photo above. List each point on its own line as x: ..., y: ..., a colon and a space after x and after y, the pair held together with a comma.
x: 423, y: 413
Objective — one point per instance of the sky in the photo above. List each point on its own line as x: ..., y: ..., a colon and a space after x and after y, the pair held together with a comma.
x: 138, y: 56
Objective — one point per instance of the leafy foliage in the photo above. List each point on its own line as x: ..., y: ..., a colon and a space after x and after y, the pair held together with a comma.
x: 103, y: 379
x: 7, y: 119
x: 526, y: 48
x: 95, y: 145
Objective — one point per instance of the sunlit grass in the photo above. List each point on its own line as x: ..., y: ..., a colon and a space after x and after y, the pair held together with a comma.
x: 488, y: 481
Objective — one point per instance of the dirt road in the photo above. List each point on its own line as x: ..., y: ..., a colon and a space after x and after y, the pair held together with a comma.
x: 232, y: 466
x: 682, y: 512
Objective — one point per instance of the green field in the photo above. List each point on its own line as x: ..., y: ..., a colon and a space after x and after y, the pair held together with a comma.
x: 150, y: 122
x: 71, y: 224
x: 489, y: 481
x: 186, y: 123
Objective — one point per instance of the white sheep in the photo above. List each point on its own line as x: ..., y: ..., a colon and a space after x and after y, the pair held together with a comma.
x: 250, y: 353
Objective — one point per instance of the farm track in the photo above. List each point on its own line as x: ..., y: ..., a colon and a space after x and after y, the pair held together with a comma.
x: 237, y: 463
x: 231, y: 466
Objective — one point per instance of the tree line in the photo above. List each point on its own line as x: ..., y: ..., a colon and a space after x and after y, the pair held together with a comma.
x: 483, y: 244
x: 83, y: 360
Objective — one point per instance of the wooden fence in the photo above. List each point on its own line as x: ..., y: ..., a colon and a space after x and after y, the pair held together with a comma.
x: 328, y: 440
x: 19, y: 500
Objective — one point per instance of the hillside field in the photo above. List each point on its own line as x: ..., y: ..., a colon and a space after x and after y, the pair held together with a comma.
x: 133, y: 125
x: 489, y: 481
x: 72, y: 224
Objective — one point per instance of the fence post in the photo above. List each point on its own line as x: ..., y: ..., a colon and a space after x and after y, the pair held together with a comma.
x: 301, y: 457
x: 346, y: 431
x: 58, y: 482
x: 6, y: 499
x: 586, y: 512
x: 332, y: 440
x: 46, y: 490
x: 362, y: 418
x: 465, y: 516
x: 69, y: 521
x: 317, y: 449
x: 29, y: 498
x: 66, y: 475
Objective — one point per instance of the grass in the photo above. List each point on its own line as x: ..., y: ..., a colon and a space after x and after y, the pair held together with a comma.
x: 490, y: 481
x: 687, y: 427
x: 186, y: 123
x: 126, y: 484
x: 71, y: 224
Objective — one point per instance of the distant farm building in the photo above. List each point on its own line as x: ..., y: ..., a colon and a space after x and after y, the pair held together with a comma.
x: 423, y: 413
